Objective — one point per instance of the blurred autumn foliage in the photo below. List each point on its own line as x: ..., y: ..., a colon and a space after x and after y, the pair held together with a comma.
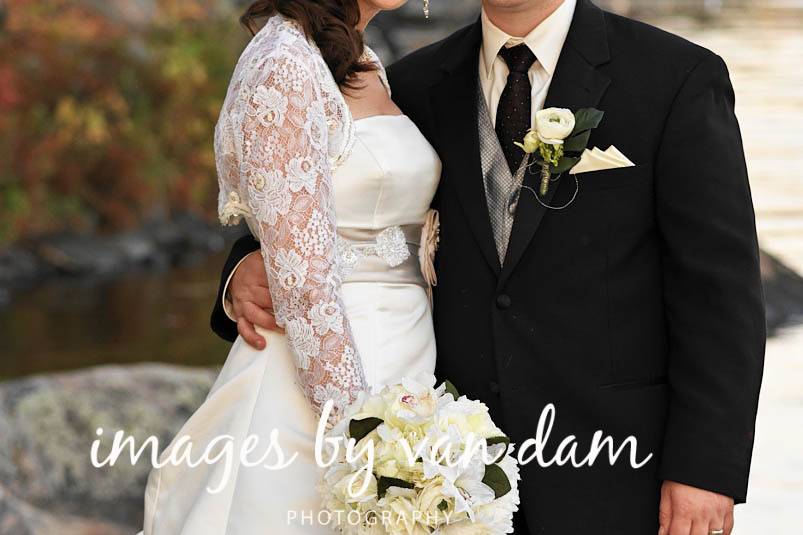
x: 104, y: 122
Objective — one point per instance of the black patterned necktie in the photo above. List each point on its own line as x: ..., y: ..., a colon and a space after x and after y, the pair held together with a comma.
x: 514, y: 110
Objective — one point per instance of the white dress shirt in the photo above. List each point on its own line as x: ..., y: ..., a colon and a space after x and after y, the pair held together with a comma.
x: 545, y: 41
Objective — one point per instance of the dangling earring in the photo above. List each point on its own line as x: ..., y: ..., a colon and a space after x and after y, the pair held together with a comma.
x: 426, y: 9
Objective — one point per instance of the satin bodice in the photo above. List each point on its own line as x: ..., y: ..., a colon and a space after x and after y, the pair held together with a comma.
x: 382, y: 194
x: 389, y: 178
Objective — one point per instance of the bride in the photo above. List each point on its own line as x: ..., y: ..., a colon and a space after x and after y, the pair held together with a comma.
x: 308, y: 130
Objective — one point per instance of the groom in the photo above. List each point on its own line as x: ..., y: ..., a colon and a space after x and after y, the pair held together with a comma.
x: 637, y: 310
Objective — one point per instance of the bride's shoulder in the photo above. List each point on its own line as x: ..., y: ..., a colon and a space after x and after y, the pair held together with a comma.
x: 280, y: 46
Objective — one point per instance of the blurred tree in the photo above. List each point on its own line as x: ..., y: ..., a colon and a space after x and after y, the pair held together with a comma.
x: 103, y: 124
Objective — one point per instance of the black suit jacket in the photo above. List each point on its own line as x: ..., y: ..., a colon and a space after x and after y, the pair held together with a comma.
x: 636, y: 311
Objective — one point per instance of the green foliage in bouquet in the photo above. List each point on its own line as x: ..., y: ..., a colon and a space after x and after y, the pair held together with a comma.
x: 494, y: 477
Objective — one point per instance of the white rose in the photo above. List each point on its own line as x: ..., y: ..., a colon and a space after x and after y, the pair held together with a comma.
x: 469, y: 416
x: 554, y: 125
x: 392, y: 458
x: 398, y: 511
x: 430, y: 501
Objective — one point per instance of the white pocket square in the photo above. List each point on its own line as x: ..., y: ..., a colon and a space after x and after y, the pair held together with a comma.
x: 598, y: 160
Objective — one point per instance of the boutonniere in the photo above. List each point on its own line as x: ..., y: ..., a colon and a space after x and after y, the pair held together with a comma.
x: 558, y: 138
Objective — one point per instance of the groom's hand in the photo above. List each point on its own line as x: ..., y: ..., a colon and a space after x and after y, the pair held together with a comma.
x: 688, y: 510
x: 250, y: 300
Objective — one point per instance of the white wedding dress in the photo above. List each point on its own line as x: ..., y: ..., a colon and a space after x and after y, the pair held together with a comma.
x: 347, y: 288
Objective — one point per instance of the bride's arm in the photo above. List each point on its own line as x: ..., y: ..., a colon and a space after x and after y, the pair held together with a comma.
x: 286, y: 177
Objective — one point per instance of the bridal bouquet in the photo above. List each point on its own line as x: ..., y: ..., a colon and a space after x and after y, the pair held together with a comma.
x: 414, y: 459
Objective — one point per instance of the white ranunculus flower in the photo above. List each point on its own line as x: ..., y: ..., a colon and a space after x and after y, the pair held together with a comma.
x: 337, y: 499
x: 554, y: 125
x: 469, y: 416
x: 430, y: 502
x: 391, y: 459
x: 398, y: 511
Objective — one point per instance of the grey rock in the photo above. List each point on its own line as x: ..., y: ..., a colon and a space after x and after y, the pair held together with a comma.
x: 186, y: 238
x: 18, y: 266
x: 81, y: 254
x: 137, y: 248
x: 20, y: 518
x: 160, y: 243
x: 783, y: 293
x: 48, y: 424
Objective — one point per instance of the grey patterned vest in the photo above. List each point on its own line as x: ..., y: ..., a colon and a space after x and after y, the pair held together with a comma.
x: 501, y: 187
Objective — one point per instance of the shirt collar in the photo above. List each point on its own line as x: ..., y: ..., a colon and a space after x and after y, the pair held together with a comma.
x: 545, y: 40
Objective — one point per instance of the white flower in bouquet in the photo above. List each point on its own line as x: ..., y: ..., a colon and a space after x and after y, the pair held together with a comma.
x: 409, y: 403
x: 467, y: 490
x: 399, y: 514
x: 436, y: 507
x: 468, y: 416
x: 339, y: 491
x: 430, y: 471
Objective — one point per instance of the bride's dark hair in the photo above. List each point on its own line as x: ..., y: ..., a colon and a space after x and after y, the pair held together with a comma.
x: 330, y: 23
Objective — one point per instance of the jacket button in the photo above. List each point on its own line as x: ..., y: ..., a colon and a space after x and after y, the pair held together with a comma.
x: 493, y: 386
x: 503, y: 301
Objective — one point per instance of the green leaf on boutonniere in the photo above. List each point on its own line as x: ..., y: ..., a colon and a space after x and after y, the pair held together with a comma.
x: 359, y: 429
x: 586, y: 119
x: 496, y: 478
x: 565, y: 164
x: 385, y: 483
x: 577, y: 143
x: 451, y: 389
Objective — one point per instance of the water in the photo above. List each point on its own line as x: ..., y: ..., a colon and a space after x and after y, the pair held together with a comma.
x: 146, y: 316
x: 761, y: 51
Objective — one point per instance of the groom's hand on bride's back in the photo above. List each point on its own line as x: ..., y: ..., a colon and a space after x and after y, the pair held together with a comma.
x: 249, y: 300
x: 687, y: 510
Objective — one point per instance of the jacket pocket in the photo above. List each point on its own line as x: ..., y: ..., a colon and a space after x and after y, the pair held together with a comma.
x: 630, y: 385
x: 615, y: 178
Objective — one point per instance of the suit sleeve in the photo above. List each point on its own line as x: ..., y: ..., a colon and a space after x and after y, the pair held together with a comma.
x: 712, y: 287
x: 220, y: 322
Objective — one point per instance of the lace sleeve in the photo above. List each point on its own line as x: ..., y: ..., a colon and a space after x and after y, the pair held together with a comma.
x: 286, y: 178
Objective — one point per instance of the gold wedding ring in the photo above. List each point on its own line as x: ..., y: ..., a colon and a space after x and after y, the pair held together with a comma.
x: 717, y: 532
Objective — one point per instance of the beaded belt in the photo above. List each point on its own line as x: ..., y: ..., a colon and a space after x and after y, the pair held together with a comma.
x: 387, y: 255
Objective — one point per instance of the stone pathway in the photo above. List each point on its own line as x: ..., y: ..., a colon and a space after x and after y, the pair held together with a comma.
x: 763, y: 54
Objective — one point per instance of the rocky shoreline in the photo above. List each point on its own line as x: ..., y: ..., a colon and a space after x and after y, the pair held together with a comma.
x: 188, y: 239
x: 47, y: 426
x: 157, y: 245
x: 783, y: 293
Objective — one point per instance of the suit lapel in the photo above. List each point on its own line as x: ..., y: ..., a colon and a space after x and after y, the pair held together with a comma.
x: 454, y: 105
x: 577, y: 83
